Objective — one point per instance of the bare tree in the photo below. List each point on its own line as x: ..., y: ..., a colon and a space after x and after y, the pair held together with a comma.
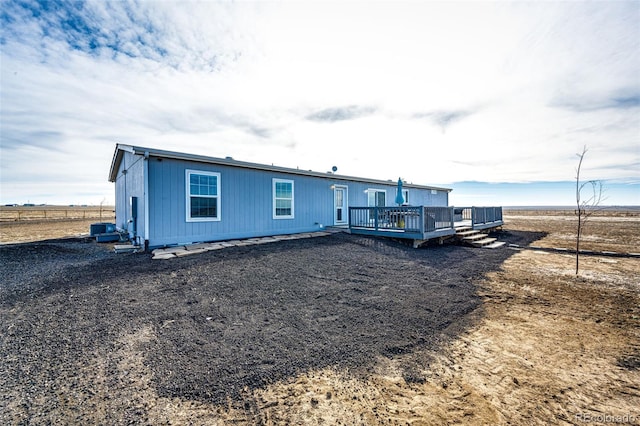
x: 586, y: 206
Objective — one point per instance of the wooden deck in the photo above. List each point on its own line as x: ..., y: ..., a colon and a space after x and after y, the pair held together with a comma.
x: 421, y: 223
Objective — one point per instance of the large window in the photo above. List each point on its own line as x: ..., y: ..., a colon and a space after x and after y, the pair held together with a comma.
x: 283, y: 199
x: 203, y: 196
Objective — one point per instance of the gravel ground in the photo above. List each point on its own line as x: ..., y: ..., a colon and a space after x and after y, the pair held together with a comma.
x: 210, y: 326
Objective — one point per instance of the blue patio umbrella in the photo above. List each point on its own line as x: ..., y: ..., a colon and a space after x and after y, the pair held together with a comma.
x: 399, y: 197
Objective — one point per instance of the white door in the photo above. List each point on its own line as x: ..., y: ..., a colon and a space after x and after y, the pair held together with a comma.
x: 341, y: 211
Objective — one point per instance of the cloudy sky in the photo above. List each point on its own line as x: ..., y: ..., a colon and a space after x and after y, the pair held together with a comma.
x: 435, y: 92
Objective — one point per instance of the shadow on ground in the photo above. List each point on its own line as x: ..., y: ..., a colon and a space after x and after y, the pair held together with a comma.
x: 237, y: 318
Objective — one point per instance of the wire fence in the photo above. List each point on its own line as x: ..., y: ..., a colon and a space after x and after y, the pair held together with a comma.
x: 22, y: 213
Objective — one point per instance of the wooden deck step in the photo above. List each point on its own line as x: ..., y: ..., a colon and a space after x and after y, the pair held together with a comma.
x: 467, y: 233
x: 483, y: 242
x: 495, y: 244
x: 475, y: 237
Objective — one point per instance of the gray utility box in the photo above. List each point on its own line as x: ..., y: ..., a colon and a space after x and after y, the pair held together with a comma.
x: 102, y: 228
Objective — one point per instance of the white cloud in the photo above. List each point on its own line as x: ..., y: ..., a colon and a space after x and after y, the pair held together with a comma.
x: 434, y: 92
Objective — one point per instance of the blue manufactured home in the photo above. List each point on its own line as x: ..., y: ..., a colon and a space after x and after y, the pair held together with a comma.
x: 169, y: 198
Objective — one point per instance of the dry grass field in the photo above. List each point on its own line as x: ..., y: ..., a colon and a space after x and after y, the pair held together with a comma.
x: 543, y: 347
x: 604, y: 231
x: 22, y: 224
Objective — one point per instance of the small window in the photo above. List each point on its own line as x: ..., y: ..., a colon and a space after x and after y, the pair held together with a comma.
x: 405, y: 195
x: 203, y: 196
x: 376, y: 197
x: 283, y: 207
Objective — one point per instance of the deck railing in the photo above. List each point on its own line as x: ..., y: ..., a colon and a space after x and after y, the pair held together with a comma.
x: 421, y: 222
x: 438, y: 218
x: 486, y: 215
x: 405, y: 219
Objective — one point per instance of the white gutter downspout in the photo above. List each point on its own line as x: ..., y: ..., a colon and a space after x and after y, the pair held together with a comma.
x: 146, y: 199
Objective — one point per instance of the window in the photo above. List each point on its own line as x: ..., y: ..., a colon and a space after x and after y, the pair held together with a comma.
x: 283, y: 199
x: 203, y: 196
x: 405, y: 195
x: 376, y: 197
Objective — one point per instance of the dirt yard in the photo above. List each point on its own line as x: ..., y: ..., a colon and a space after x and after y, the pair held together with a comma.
x: 333, y: 330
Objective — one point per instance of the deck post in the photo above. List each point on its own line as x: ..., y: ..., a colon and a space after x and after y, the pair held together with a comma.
x: 422, y: 220
x: 375, y: 218
x: 418, y: 243
x: 453, y: 225
x: 473, y: 217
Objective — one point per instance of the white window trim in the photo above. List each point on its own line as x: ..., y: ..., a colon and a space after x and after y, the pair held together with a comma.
x: 189, y: 172
x: 369, y: 190
x: 273, y: 196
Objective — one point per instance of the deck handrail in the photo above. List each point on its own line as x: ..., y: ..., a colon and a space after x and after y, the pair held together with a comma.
x: 407, y: 219
x: 401, y: 218
x: 421, y: 222
x: 486, y: 215
x: 438, y: 218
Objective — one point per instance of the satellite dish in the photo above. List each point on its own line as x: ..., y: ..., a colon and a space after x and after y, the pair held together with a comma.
x: 334, y: 168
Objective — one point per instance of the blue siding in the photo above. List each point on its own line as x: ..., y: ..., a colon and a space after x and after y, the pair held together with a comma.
x: 424, y: 197
x: 130, y: 183
x: 246, y: 204
x: 358, y: 196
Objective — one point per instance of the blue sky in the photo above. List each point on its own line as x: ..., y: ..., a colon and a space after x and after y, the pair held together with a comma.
x: 442, y: 93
